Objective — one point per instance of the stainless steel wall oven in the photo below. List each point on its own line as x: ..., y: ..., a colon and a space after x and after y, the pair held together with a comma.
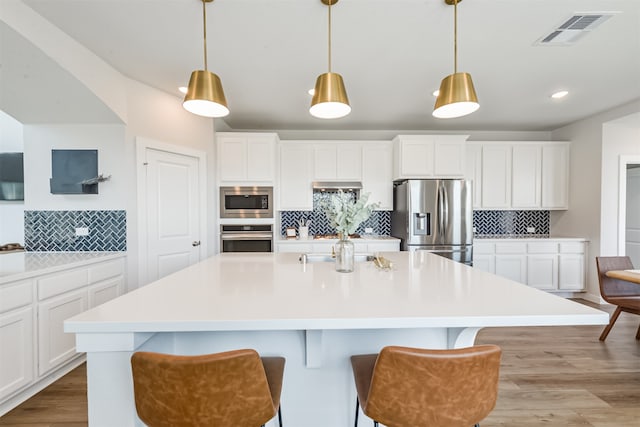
x: 246, y: 238
x: 246, y: 202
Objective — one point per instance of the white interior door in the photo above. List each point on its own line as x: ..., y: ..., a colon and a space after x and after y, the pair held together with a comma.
x: 172, y: 212
x: 633, y: 215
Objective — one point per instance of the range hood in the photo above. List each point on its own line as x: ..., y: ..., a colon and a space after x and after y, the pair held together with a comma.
x: 333, y: 186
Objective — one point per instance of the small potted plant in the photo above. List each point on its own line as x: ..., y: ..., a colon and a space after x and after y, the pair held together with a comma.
x: 345, y: 214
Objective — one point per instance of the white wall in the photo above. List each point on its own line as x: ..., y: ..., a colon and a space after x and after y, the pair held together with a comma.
x: 107, y: 139
x: 11, y: 212
x: 589, y: 180
x: 159, y: 116
x: 144, y: 111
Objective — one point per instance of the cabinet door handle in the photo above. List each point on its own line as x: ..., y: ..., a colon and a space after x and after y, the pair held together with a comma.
x: 195, y: 243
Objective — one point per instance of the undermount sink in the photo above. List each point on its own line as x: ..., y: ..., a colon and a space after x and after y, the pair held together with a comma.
x: 331, y: 258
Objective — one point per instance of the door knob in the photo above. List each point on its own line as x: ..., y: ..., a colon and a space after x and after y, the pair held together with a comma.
x: 195, y: 243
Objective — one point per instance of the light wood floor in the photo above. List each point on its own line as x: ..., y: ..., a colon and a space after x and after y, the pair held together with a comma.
x: 552, y: 376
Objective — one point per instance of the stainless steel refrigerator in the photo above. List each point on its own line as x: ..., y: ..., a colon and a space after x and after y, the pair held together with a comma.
x: 434, y: 215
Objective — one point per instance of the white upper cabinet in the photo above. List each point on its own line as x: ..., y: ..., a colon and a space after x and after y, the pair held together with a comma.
x: 555, y: 176
x: 449, y: 155
x: 496, y: 176
x: 473, y: 167
x: 246, y: 157
x: 519, y: 175
x: 302, y: 162
x: 525, y: 179
x: 294, y: 187
x: 376, y: 173
x: 337, y: 161
x: 429, y: 156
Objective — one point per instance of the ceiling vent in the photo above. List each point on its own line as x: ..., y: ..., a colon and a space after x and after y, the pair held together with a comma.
x: 574, y: 28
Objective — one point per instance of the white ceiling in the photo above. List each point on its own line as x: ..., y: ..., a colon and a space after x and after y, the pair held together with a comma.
x: 391, y: 53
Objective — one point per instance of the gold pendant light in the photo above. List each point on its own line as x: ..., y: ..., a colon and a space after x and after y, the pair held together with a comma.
x: 457, y: 96
x: 205, y: 96
x: 330, y: 96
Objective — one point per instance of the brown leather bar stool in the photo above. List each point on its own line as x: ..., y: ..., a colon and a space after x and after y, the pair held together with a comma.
x: 412, y: 387
x: 624, y: 295
x: 230, y: 389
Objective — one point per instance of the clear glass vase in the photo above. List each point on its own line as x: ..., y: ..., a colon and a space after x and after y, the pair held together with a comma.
x: 345, y: 254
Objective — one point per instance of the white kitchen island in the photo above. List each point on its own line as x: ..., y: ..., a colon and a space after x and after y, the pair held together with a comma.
x: 310, y: 314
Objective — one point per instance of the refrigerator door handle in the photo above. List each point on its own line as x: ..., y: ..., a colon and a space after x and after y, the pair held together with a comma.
x: 445, y: 209
x: 440, y: 202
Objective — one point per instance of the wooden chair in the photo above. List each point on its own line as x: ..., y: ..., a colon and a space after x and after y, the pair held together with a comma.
x: 410, y: 387
x: 624, y: 295
x: 231, y: 389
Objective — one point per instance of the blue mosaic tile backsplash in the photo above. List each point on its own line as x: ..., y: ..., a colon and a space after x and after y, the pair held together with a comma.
x: 379, y: 221
x: 56, y: 231
x: 510, y: 223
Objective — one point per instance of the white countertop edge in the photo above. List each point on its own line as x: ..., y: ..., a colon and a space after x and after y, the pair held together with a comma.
x: 95, y: 258
x: 601, y: 318
x: 529, y: 239
x: 367, y: 239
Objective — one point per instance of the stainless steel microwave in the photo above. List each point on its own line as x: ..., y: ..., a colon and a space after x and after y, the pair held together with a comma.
x: 246, y: 202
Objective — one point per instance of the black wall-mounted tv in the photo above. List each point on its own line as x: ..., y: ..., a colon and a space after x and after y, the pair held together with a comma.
x: 11, y: 176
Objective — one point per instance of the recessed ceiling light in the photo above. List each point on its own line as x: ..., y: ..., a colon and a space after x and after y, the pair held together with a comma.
x: 183, y: 89
x: 560, y: 94
x: 312, y: 91
x: 436, y: 92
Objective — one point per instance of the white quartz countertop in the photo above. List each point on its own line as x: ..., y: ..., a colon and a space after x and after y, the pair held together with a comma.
x: 363, y: 239
x: 274, y: 291
x: 22, y: 265
x: 529, y: 239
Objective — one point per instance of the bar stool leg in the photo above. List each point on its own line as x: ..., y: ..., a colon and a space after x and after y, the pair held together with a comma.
x: 357, y: 410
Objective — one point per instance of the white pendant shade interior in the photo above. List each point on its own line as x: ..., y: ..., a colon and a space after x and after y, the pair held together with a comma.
x: 205, y: 96
x: 457, y: 95
x: 330, y: 96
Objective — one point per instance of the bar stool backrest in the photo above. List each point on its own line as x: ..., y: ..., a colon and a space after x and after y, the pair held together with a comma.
x: 414, y: 387
x: 227, y: 389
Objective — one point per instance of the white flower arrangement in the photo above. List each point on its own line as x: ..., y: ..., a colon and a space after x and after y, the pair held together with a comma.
x: 344, y: 213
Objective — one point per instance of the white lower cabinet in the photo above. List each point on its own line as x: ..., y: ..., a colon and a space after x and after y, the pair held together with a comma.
x: 571, y: 272
x: 16, y: 351
x: 484, y: 257
x: 300, y: 248
x: 54, y: 345
x: 572, y: 266
x: 104, y: 291
x: 546, y: 264
x: 383, y: 247
x: 542, y: 271
x: 512, y: 267
x: 485, y: 263
x: 17, y: 337
x: 325, y: 247
x: 511, y: 260
x: 33, y: 344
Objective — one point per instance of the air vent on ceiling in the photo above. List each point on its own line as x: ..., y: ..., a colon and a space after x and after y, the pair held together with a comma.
x: 574, y: 28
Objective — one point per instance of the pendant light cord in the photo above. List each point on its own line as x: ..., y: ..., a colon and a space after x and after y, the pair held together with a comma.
x: 329, y: 32
x: 204, y: 21
x: 455, y: 36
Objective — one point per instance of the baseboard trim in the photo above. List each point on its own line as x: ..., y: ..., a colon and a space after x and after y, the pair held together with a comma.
x: 596, y: 299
